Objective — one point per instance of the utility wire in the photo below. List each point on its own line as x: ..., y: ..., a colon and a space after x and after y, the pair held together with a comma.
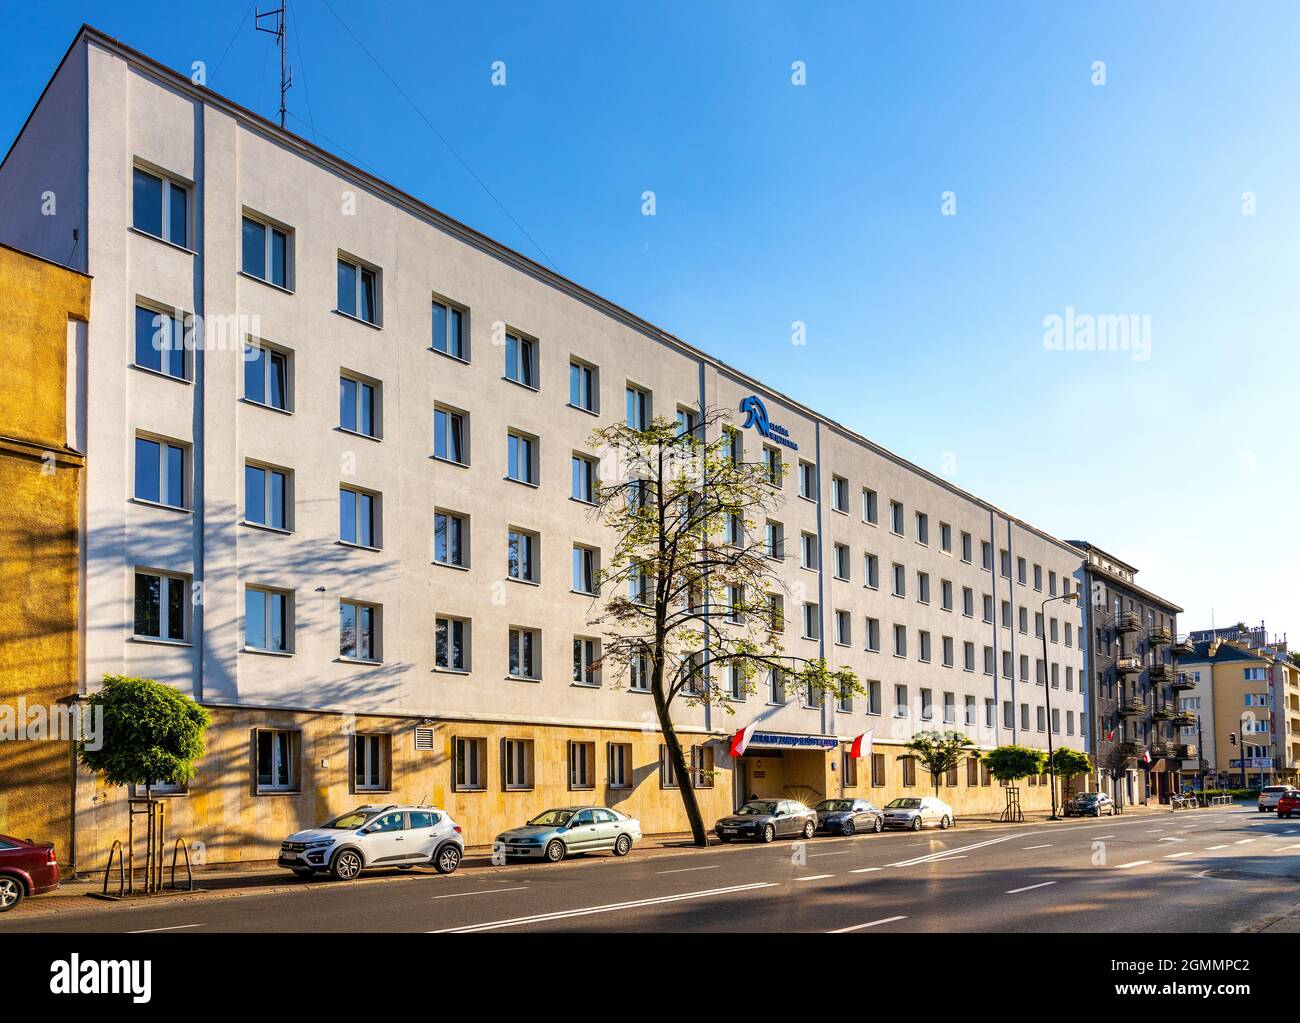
x: 242, y: 21
x: 451, y: 149
x: 302, y: 68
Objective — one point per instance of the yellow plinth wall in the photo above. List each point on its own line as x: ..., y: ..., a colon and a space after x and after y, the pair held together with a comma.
x: 40, y: 477
x: 225, y: 818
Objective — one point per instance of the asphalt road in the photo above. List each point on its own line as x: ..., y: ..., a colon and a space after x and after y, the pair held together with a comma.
x: 1216, y: 870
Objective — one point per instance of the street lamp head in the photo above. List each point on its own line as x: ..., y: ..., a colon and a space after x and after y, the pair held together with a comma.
x: 1073, y: 595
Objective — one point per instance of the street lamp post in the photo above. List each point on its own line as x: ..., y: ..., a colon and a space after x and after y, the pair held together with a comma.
x: 1242, y: 733
x: 1047, y: 688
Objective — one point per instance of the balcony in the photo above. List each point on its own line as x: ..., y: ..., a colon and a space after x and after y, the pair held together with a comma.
x: 1128, y: 621
x: 1185, y: 719
x: 1186, y: 751
x: 1163, y: 714
x: 1161, y: 749
x: 1159, y: 672
x: 1182, y: 647
x: 1181, y: 682
x: 1132, y: 707
x: 1160, y: 636
x: 1128, y: 665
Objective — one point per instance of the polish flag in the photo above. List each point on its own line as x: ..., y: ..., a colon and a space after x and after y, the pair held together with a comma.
x: 862, y: 745
x: 740, y: 741
x: 1110, y: 736
x: 1146, y: 755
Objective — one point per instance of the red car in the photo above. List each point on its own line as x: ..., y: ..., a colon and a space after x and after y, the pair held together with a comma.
x: 26, y: 868
x: 1288, y: 803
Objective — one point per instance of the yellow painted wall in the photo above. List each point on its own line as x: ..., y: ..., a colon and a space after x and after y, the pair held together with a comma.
x: 39, y: 521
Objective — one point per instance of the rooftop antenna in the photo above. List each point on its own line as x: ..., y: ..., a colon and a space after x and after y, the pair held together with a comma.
x: 286, y: 73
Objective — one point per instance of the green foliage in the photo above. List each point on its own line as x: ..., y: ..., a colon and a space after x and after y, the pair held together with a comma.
x: 1012, y: 763
x: 1066, y: 762
x: 152, y: 733
x: 938, y: 752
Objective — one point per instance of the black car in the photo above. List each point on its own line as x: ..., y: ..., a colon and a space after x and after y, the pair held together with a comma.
x: 766, y: 819
x: 848, y: 816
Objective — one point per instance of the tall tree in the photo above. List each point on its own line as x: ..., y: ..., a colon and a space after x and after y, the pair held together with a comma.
x: 690, y: 599
x: 1009, y: 764
x: 1066, y: 763
x: 938, y: 752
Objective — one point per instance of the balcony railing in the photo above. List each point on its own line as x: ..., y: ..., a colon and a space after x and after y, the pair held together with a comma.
x: 1181, y: 681
x: 1128, y: 665
x: 1184, y: 719
x: 1163, y: 714
x: 1186, y: 751
x: 1158, y: 672
x: 1128, y: 621
x: 1159, y: 636
x: 1132, y: 707
x: 1182, y: 647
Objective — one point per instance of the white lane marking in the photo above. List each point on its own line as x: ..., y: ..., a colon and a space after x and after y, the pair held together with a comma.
x: 1213, y: 847
x: 1098, y: 838
x: 153, y: 930
x: 1135, y: 863
x: 1047, y: 846
x: 1244, y: 841
x: 1286, y: 847
x: 844, y: 853
x: 1170, y: 838
x: 683, y: 870
x: 1028, y: 888
x: 947, y: 854
x: 872, y: 870
x: 873, y: 923
x: 813, y: 877
x: 613, y: 907
x: 1174, y: 856
x: 486, y: 891
x: 1154, y: 831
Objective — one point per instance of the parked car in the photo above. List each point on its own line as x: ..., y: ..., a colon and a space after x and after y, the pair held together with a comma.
x: 556, y: 833
x: 1270, y: 794
x: 917, y: 812
x: 26, y: 868
x: 765, y: 819
x: 376, y: 836
x: 849, y: 816
x: 1090, y: 804
x: 1288, y: 803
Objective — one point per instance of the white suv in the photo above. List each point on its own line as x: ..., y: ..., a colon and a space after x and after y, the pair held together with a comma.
x: 376, y: 836
x: 1270, y: 794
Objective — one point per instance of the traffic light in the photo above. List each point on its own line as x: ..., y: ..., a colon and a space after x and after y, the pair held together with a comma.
x: 1232, y: 738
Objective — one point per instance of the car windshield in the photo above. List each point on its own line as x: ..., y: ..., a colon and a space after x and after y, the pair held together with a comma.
x: 832, y: 805
x: 351, y: 820
x: 758, y: 809
x: 1088, y: 797
x: 1275, y: 789
x: 903, y: 804
x: 552, y: 819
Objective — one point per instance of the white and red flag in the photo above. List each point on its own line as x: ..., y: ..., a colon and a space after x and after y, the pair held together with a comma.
x: 1110, y: 736
x: 1146, y: 755
x: 740, y: 741
x: 862, y: 745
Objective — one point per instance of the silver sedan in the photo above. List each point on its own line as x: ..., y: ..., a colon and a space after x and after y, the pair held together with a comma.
x: 555, y: 834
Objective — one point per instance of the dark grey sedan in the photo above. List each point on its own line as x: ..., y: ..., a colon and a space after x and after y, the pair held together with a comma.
x: 765, y: 819
x: 848, y: 816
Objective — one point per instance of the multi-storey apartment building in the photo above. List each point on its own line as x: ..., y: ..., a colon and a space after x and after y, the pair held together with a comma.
x: 355, y: 519
x: 1135, y: 685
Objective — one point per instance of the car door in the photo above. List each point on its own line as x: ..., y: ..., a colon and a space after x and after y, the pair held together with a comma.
x: 386, y: 840
x: 580, y: 836
x: 606, y: 828
x: 861, y: 815
x: 423, y: 834
x: 790, y: 822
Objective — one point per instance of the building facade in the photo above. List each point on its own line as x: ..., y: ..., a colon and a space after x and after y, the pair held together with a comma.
x: 350, y: 513
x: 1135, y: 685
x: 43, y: 313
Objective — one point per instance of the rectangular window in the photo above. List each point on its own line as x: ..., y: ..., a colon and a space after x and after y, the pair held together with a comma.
x: 878, y: 770
x: 266, y: 496
x: 450, y: 436
x: 160, y: 472
x: 521, y: 360
x: 667, y: 774
x: 774, y: 541
x: 968, y: 656
x: 843, y: 628
x: 871, y: 571
x: 948, y: 651
x: 161, y: 606
x: 639, y: 673
x: 896, y: 517
x: 358, y: 291
x: 873, y: 635
x: 517, y: 764
x: 702, y: 767
x: 945, y: 594
x: 451, y: 647
x: 900, y: 640
x: 266, y: 376
x: 586, y: 652
x: 807, y: 480
x: 923, y: 645
x: 966, y: 548
x: 945, y: 538
x: 161, y: 339
x: 909, y: 772
x: 584, y: 386
x: 968, y: 602
x: 583, y: 479
x: 581, y: 765
x: 524, y: 660
x: 638, y: 408
x: 808, y: 547
x: 841, y: 561
x: 265, y: 252
x: 949, y: 708
x: 521, y: 458
x: 267, y: 624
x: 469, y: 772
x: 839, y: 494
x: 923, y: 528
x: 160, y: 207
x: 923, y: 587
x: 358, y: 631
x: 873, y: 696
x: 450, y: 539
x: 521, y: 555
x: 869, y: 510
x: 772, y: 468
x: 620, y: 765
x: 899, y: 580
x: 584, y: 569
x: 811, y: 621
x: 370, y: 756
x: 849, y: 770
x: 277, y: 760
x: 359, y: 517
x: 734, y: 445
x: 449, y: 330
x: 1038, y: 578
x: 358, y: 406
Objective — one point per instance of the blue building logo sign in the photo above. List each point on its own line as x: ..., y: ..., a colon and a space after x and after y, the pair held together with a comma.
x: 756, y: 417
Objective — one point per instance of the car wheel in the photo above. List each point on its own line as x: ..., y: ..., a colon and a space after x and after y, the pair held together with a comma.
x: 849, y: 827
x: 11, y: 893
x: 622, y: 845
x: 447, y: 859
x: 767, y: 834
x: 303, y: 872
x: 809, y: 829
x: 346, y: 865
x: 916, y: 823
x: 555, y: 851
x: 946, y: 822
x: 879, y: 826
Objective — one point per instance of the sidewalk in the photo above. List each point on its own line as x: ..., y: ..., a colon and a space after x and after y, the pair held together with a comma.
x: 263, y: 877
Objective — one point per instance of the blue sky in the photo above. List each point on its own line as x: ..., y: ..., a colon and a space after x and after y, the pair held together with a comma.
x: 821, y: 203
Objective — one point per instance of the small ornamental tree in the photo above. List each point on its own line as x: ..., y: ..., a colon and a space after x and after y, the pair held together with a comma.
x: 1010, y: 764
x: 1115, y: 762
x: 938, y: 752
x: 151, y: 733
x: 686, y: 594
x: 1066, y: 763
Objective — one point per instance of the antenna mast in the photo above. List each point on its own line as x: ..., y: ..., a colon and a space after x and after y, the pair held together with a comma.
x: 286, y: 73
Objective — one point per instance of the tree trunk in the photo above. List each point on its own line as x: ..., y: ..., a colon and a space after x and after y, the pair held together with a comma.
x: 680, y: 769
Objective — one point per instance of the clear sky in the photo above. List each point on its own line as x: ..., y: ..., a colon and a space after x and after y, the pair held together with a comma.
x: 823, y: 203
